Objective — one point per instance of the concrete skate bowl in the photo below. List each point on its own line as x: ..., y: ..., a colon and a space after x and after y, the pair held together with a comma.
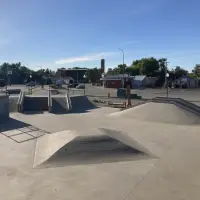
x: 81, y: 104
x: 161, y: 113
x: 66, y: 148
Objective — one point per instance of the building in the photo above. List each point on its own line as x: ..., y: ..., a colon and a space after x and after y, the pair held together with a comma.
x: 114, y: 81
x: 137, y: 81
x: 186, y: 82
x: 143, y: 81
x: 102, y: 66
x: 73, y: 74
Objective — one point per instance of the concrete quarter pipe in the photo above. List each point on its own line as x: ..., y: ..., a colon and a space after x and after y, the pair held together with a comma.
x: 160, y: 112
x: 81, y: 104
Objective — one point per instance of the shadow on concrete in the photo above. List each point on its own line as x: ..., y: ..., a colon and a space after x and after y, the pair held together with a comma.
x: 19, y: 131
x: 12, y: 124
x: 34, y: 112
x: 87, y: 150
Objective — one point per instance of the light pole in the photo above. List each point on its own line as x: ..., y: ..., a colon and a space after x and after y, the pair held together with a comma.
x: 166, y: 73
x: 6, y: 79
x: 102, y: 76
x: 31, y: 83
x: 42, y: 78
x: 84, y: 76
x: 167, y: 88
x: 122, y: 64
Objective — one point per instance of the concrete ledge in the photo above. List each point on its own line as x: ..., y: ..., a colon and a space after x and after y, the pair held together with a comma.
x: 179, y: 102
x: 4, y: 107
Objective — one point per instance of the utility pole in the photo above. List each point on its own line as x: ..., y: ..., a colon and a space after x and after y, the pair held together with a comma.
x: 6, y: 79
x: 122, y: 64
x: 166, y: 63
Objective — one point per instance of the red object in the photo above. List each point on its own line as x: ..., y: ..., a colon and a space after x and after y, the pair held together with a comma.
x: 113, y: 83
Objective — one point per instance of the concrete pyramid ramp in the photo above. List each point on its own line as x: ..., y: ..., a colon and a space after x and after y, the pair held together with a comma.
x: 69, y: 148
x: 48, y: 144
x: 160, y: 112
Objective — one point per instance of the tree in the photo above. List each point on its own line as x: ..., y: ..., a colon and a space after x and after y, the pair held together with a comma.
x: 110, y: 71
x: 149, y: 66
x: 179, y: 72
x: 133, y: 70
x: 93, y: 75
x: 144, y: 66
x: 122, y: 68
x: 196, y: 70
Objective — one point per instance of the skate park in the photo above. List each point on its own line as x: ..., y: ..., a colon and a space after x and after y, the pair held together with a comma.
x: 65, y: 147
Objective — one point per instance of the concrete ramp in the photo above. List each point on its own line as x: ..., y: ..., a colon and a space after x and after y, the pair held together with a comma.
x: 48, y: 144
x: 67, y: 148
x: 59, y: 105
x: 160, y: 112
x: 81, y: 104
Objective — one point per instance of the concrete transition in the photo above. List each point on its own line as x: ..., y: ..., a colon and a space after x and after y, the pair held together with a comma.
x: 70, y: 148
x: 160, y: 112
x: 81, y: 104
x: 59, y: 105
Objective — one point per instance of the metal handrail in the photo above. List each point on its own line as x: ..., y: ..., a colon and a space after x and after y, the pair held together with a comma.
x: 70, y: 103
x: 21, y: 101
x: 68, y: 100
x: 181, y: 102
x: 49, y: 100
x: 178, y: 99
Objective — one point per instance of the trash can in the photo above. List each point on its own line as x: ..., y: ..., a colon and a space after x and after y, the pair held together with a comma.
x: 121, y: 92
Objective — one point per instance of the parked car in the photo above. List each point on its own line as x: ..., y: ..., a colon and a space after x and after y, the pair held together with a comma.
x: 31, y: 84
x: 73, y: 85
x: 81, y: 86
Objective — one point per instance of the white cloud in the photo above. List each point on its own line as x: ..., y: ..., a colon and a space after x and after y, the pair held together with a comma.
x: 84, y: 58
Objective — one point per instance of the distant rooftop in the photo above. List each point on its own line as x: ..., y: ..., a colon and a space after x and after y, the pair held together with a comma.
x: 70, y: 69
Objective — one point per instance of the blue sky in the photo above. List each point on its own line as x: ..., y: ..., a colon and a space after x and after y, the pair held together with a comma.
x: 69, y: 33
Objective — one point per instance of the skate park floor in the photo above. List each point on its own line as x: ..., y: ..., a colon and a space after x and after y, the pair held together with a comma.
x: 162, y: 162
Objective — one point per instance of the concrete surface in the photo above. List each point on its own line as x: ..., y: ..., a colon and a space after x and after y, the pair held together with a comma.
x: 169, y: 169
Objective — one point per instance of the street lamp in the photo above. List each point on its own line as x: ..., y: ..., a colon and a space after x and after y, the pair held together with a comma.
x: 102, y: 76
x: 122, y: 63
x: 31, y: 83
x: 84, y: 76
x: 167, y: 89
x: 42, y: 78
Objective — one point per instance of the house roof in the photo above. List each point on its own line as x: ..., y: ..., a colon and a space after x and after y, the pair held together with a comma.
x: 139, y: 78
x: 110, y: 78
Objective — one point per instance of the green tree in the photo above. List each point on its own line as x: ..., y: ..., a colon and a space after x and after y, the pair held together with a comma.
x: 122, y: 68
x: 149, y: 66
x: 93, y: 75
x: 179, y: 72
x: 110, y: 71
x: 196, y: 70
